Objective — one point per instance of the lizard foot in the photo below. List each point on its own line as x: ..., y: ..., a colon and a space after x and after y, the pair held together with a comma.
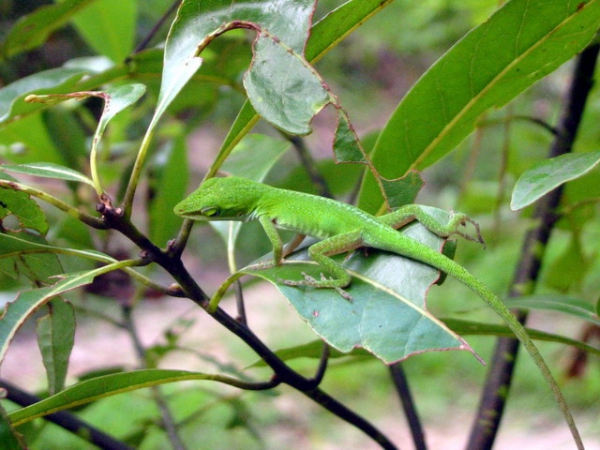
x: 324, y: 282
x: 462, y: 220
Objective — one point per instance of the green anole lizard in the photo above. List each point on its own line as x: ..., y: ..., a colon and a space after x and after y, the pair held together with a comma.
x: 342, y: 228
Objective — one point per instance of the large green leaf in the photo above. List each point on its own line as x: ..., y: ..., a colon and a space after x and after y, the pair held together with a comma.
x: 387, y: 314
x: 547, y: 175
x: 521, y: 43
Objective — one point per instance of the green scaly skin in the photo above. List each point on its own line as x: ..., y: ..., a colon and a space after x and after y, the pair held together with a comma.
x: 342, y: 228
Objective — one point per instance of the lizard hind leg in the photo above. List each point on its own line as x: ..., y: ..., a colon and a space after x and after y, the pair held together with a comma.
x: 320, y: 253
x: 459, y: 219
x: 455, y: 225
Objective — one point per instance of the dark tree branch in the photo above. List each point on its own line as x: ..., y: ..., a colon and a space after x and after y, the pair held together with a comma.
x: 171, y: 262
x: 66, y: 420
x: 500, y: 376
x: 408, y: 405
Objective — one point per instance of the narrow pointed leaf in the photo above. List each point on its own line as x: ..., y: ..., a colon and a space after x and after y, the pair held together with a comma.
x: 572, y: 306
x: 47, y: 170
x: 56, y: 336
x: 50, y: 81
x: 12, y: 244
x: 521, y: 43
x: 106, y: 386
x: 466, y: 328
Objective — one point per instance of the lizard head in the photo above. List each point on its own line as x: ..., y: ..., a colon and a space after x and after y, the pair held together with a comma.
x: 230, y: 198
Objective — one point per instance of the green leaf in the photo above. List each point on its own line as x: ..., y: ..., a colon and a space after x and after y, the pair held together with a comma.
x: 566, y: 304
x: 38, y: 268
x: 46, y: 82
x: 106, y: 386
x: 387, y: 315
x: 26, y: 140
x: 108, y: 27
x: 549, y: 174
x: 11, y: 439
x: 283, y: 87
x: 311, y: 350
x: 24, y: 208
x: 115, y: 100
x: 521, y: 43
x: 339, y: 24
x: 56, y: 336
x: 12, y: 244
x: 18, y: 311
x: 47, y: 170
x: 464, y: 328
x: 169, y: 180
x: 32, y: 30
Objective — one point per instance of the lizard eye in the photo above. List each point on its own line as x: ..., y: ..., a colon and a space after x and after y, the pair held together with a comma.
x: 210, y: 211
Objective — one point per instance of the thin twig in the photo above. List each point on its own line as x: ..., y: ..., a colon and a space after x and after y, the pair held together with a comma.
x: 144, y: 42
x: 322, y: 368
x: 310, y: 165
x: 492, y: 403
x: 166, y: 416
